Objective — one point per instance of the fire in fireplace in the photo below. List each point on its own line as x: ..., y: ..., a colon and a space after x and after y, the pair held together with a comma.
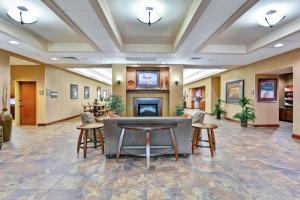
x: 147, y: 107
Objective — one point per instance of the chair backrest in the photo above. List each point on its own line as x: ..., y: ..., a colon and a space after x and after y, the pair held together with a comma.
x: 87, y: 118
x: 198, y: 117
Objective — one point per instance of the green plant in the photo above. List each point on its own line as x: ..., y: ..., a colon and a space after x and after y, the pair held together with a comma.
x: 179, y: 110
x: 247, y: 113
x: 115, y: 104
x: 218, y: 108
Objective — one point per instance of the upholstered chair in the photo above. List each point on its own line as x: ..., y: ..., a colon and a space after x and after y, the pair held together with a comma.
x: 198, y: 117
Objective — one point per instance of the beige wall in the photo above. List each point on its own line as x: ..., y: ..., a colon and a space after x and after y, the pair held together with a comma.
x: 63, y: 107
x: 175, y: 91
x: 132, y: 95
x: 215, y: 91
x: 29, y: 73
x: 119, y: 72
x: 4, y: 75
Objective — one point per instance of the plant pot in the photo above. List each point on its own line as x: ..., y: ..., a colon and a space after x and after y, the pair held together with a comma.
x: 218, y: 116
x: 6, y: 123
x: 244, y: 123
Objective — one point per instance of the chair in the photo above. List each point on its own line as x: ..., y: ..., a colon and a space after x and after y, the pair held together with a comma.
x: 1, y: 136
x: 198, y: 117
x: 89, y: 133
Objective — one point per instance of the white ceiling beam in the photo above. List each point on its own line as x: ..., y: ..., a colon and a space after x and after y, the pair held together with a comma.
x: 102, y: 10
x: 69, y: 47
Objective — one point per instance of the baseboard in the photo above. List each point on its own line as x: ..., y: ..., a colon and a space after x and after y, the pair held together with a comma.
x: 57, y: 121
x: 296, y: 136
x: 266, y: 125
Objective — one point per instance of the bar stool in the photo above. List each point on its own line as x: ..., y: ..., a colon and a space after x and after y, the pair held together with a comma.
x: 83, y: 137
x: 210, y: 134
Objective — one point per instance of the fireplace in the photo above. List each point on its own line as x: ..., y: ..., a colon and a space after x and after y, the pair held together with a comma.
x: 147, y: 107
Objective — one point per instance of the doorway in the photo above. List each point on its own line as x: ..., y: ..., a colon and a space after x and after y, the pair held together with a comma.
x: 198, y: 98
x: 27, y: 103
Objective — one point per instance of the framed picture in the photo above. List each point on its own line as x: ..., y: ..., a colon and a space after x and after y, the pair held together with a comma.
x: 73, y: 91
x: 234, y: 91
x: 267, y: 89
x: 104, y: 94
x: 86, y: 92
x: 148, y: 78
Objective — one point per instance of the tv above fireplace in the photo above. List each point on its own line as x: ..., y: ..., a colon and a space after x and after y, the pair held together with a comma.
x: 148, y: 79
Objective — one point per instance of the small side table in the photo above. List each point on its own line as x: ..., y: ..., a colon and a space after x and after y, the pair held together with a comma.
x: 147, y: 128
x: 84, y: 129
x: 210, y: 134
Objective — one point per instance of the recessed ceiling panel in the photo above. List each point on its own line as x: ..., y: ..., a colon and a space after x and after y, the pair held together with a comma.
x: 49, y: 26
x: 163, y: 32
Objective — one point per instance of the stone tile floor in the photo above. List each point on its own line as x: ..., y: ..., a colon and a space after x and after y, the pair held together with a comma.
x: 250, y: 163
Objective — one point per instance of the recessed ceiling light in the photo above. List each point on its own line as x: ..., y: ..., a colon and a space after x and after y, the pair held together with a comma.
x: 54, y: 58
x: 271, y: 18
x: 278, y: 45
x: 162, y: 62
x: 21, y: 14
x: 13, y: 42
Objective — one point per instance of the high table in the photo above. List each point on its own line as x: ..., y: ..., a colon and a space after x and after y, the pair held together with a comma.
x: 147, y: 129
x: 210, y: 134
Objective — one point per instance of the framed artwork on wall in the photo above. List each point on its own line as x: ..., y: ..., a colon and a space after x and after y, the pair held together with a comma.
x: 86, y: 92
x: 267, y: 90
x: 73, y: 91
x: 234, y: 91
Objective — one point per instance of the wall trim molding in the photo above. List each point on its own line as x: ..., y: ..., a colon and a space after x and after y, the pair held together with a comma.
x: 296, y: 136
x: 57, y: 121
x: 266, y: 125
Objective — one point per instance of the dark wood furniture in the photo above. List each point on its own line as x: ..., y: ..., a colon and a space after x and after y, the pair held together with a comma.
x: 83, y: 137
x: 286, y: 114
x: 197, y: 137
x: 147, y: 129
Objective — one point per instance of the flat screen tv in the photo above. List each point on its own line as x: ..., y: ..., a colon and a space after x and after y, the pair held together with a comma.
x: 148, y: 79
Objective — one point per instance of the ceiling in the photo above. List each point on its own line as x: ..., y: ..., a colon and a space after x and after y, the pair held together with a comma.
x: 163, y: 32
x: 222, y: 34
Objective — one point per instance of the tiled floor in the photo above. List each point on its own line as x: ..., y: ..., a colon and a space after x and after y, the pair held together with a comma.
x: 251, y: 163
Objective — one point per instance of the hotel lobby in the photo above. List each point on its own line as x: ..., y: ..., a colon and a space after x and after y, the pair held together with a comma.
x: 149, y: 99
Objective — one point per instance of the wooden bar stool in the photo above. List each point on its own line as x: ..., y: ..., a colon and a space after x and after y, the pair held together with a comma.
x: 83, y: 137
x: 198, y: 137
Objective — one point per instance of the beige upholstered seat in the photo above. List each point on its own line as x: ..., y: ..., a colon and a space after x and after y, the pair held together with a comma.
x: 198, y: 117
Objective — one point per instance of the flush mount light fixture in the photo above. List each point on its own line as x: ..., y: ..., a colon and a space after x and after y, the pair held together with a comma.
x: 149, y: 14
x: 13, y: 42
x: 278, y: 45
x: 22, y: 15
x: 271, y: 18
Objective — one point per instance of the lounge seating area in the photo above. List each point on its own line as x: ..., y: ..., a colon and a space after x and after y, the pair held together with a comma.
x: 149, y: 99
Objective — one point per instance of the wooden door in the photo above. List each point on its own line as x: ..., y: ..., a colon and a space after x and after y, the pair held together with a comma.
x: 27, y: 103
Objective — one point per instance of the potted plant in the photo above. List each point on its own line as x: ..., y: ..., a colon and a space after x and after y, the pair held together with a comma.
x: 247, y: 113
x: 179, y: 110
x: 218, y: 108
x: 5, y: 116
x: 115, y: 105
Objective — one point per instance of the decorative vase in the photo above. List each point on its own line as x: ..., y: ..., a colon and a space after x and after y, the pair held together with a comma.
x: 6, y: 123
x: 218, y: 116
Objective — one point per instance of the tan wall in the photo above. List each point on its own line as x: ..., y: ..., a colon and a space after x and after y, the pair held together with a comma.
x: 29, y: 73
x: 132, y: 95
x: 119, y: 72
x: 215, y: 91
x: 63, y: 107
x: 175, y: 91
x: 4, y: 75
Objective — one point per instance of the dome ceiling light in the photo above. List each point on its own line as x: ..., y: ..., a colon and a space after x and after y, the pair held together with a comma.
x: 271, y: 18
x: 149, y: 15
x: 22, y: 15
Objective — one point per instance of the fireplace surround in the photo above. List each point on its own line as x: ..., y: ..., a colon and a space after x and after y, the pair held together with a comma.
x: 147, y: 107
